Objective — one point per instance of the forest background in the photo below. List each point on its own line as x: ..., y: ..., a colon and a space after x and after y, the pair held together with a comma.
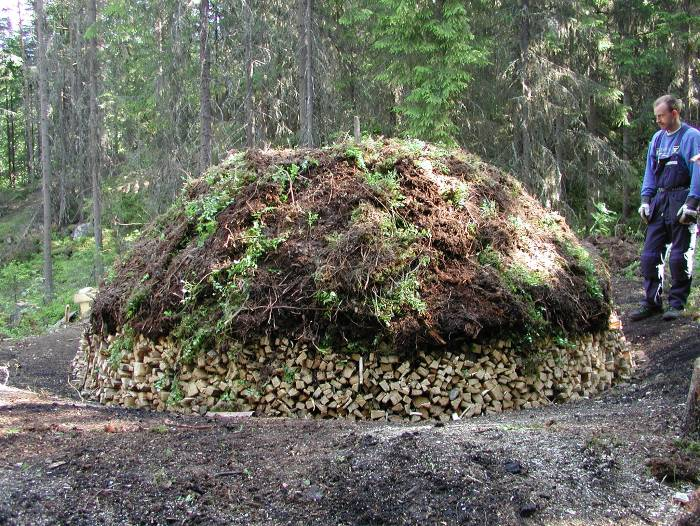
x: 109, y: 107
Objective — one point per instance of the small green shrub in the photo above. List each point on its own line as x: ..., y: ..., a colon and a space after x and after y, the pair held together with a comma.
x: 490, y: 257
x: 311, y: 219
x: 401, y: 295
x: 387, y: 185
x: 356, y: 155
x: 120, y: 346
x: 488, y: 209
x: 585, y: 261
x: 458, y: 196
x: 604, y: 220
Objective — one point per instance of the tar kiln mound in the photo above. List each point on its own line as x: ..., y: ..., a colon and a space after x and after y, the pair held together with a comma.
x: 389, y: 279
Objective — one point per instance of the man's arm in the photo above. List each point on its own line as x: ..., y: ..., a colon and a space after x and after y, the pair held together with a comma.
x: 649, y: 182
x: 691, y: 149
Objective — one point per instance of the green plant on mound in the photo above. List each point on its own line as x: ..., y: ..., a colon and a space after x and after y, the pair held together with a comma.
x: 387, y: 185
x: 397, y: 297
x: 285, y: 176
x: 137, y: 298
x: 356, y: 155
x: 520, y: 278
x: 489, y: 257
x: 203, y: 213
x: 458, y: 196
x: 176, y: 394
x: 195, y: 333
x: 586, y: 263
x: 488, y: 209
x: 231, y: 283
x: 121, y: 346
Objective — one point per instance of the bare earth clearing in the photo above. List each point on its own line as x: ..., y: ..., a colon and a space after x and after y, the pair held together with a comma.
x: 585, y: 463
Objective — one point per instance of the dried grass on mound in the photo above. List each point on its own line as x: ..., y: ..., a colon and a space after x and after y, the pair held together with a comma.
x: 388, y: 241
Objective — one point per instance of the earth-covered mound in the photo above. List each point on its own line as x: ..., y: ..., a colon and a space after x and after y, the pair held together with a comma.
x: 389, y: 241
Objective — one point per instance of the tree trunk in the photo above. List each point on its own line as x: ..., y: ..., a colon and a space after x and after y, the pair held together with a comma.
x: 691, y: 424
x: 205, y: 80
x: 44, y: 133
x: 592, y: 158
x: 94, y: 141
x: 559, y: 188
x: 12, y: 146
x: 306, y: 95
x: 28, y: 102
x: 626, y: 148
x: 686, y: 71
x: 8, y: 116
x: 524, y: 81
x: 248, y: 62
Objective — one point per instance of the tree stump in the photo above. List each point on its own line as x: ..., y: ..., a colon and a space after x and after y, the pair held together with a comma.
x: 691, y: 425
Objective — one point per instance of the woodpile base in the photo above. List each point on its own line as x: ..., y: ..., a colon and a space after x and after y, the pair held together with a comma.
x: 281, y: 377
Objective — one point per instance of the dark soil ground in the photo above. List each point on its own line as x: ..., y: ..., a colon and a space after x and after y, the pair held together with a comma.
x: 63, y: 461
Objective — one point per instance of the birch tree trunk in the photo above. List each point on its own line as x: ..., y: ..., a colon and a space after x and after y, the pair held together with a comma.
x: 94, y: 141
x: 205, y: 80
x: 306, y: 95
x: 44, y: 133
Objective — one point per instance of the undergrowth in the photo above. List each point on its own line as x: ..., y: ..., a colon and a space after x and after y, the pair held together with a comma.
x: 22, y: 308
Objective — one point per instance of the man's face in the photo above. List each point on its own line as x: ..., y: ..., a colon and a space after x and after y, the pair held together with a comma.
x: 666, y: 120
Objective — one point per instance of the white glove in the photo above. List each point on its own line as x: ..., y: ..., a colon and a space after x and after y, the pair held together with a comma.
x: 687, y: 216
x: 644, y: 212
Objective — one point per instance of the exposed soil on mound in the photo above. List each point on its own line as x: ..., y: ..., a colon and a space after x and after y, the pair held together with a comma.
x: 585, y: 463
x: 420, y: 246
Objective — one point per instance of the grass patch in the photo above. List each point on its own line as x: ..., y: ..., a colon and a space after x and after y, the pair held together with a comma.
x: 22, y: 308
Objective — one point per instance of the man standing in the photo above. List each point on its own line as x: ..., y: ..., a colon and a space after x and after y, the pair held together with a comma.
x: 670, y: 199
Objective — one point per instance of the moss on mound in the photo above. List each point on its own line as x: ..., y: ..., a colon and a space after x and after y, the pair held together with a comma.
x: 392, y: 241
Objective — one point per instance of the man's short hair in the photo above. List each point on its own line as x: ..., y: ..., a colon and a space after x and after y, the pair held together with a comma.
x: 671, y: 102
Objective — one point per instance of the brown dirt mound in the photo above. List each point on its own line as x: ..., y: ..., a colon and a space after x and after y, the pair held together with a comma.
x: 384, y: 241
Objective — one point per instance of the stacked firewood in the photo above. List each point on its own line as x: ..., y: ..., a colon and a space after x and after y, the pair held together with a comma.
x: 281, y: 377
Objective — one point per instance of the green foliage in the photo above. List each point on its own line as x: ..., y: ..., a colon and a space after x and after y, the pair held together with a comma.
x: 397, y: 298
x: 203, y: 212
x: 432, y: 54
x: 488, y: 209
x: 632, y: 270
x: 356, y: 155
x: 231, y: 283
x: 691, y: 447
x: 490, y: 257
x: 285, y: 176
x: 458, y: 196
x: 585, y: 261
x: 195, y: 333
x: 22, y: 308
x: 520, y: 278
x: 311, y: 219
x: 121, y: 346
x: 138, y: 296
x: 327, y: 298
x: 603, y: 220
x: 385, y: 184
x: 176, y: 394
x: 289, y: 374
